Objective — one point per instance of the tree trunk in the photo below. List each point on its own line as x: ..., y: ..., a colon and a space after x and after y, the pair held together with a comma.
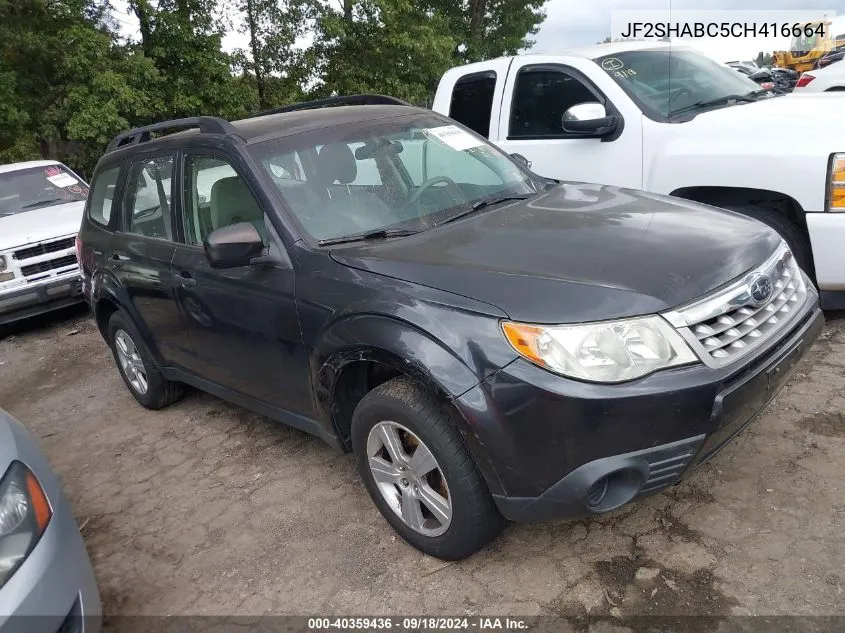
x: 255, y: 48
x: 144, y: 13
x: 478, y: 10
x: 347, y: 11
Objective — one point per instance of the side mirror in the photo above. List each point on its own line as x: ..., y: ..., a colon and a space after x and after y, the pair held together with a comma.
x: 232, y: 246
x: 588, y: 118
x: 519, y: 158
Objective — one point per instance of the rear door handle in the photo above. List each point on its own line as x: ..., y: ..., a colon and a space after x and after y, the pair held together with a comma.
x: 184, y: 279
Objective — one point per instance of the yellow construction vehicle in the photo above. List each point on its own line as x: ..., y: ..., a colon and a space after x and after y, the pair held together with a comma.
x: 815, y: 41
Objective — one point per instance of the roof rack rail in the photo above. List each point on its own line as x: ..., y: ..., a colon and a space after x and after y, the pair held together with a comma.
x: 330, y: 102
x: 206, y: 124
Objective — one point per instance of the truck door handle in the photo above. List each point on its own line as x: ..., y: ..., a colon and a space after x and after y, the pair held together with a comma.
x: 184, y: 279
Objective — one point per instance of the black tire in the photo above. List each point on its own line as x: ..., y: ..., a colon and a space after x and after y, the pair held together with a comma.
x: 160, y: 392
x: 792, y: 234
x: 475, y: 520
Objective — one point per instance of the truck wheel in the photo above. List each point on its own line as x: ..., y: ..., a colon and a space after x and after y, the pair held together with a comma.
x: 798, y: 243
x: 137, y: 367
x: 420, y: 474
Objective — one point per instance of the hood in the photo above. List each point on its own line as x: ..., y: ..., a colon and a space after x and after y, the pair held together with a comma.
x: 796, y: 112
x: 577, y: 253
x: 40, y: 224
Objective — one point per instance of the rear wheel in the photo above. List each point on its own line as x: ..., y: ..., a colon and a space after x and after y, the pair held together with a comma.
x: 137, y: 367
x: 420, y: 474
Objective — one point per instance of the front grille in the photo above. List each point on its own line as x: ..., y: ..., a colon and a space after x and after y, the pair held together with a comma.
x: 43, y: 248
x: 736, y: 320
x: 51, y: 264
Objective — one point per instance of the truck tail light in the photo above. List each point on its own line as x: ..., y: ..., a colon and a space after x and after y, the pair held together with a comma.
x: 805, y: 79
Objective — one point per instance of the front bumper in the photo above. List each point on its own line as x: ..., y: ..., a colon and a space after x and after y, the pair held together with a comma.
x: 559, y: 448
x: 33, y: 299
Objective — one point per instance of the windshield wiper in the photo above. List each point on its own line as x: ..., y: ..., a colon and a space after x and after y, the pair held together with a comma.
x: 369, y: 235
x: 485, y: 202
x: 714, y: 102
x: 42, y: 202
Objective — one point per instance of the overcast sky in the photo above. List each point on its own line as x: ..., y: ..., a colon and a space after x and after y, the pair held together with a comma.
x: 572, y: 23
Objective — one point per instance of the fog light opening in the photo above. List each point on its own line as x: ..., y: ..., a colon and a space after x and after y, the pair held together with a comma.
x: 614, y: 490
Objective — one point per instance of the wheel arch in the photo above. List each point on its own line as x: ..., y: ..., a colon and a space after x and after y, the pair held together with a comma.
x: 358, y: 354
x: 719, y: 196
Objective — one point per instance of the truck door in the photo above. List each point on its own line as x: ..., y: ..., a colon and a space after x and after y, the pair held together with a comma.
x: 536, y: 95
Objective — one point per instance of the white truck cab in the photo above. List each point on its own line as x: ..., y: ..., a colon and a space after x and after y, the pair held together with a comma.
x: 669, y: 120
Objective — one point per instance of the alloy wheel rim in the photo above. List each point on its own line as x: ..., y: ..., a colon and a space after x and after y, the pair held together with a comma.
x: 409, y: 478
x: 130, y: 361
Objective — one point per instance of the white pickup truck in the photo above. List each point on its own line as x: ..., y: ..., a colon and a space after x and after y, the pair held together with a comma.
x: 41, y: 204
x: 669, y: 120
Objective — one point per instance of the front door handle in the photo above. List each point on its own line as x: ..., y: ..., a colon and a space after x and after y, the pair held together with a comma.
x: 118, y: 259
x: 184, y: 279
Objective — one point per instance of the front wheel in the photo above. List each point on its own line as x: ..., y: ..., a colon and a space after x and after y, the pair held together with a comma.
x: 420, y: 474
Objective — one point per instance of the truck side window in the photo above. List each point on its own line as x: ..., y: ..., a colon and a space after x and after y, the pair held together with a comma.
x: 540, y: 98
x: 472, y: 101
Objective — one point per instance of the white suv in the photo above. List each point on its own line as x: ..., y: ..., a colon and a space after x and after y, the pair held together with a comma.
x: 41, y: 204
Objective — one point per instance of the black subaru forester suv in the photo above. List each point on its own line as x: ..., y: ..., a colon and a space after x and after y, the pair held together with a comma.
x: 489, y: 343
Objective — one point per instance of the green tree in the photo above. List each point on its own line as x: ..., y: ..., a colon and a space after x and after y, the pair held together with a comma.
x: 385, y: 46
x: 277, y: 65
x: 484, y: 29
x: 183, y: 40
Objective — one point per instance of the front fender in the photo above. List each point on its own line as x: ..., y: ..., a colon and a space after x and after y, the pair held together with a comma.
x: 408, y: 350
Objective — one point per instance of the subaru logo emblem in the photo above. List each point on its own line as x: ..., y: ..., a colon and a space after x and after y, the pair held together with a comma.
x: 759, y: 289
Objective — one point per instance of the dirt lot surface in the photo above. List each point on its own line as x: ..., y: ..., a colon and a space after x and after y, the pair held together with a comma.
x: 206, y: 508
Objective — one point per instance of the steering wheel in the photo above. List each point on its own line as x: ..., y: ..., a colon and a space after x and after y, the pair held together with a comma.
x: 428, y: 184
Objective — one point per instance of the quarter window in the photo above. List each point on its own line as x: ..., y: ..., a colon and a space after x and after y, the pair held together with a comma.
x: 216, y: 196
x: 149, y: 195
x: 102, y: 196
x: 472, y: 101
x: 540, y: 98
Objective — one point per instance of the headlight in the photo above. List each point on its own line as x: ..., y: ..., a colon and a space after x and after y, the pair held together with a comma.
x: 609, y: 351
x: 836, y: 183
x: 24, y: 515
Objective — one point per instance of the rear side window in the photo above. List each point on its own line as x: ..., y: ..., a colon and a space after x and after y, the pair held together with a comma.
x: 472, y: 101
x: 540, y: 98
x: 102, y: 196
x: 149, y: 197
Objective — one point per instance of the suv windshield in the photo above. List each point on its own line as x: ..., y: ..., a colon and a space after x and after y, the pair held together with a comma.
x: 405, y: 173
x: 35, y: 187
x: 666, y: 82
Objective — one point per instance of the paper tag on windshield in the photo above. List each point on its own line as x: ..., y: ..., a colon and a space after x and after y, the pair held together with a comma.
x: 454, y: 137
x: 62, y: 180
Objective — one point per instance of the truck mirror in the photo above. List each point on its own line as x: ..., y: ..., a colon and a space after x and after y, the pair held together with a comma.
x: 588, y: 118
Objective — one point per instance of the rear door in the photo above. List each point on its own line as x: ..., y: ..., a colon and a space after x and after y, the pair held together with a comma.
x: 242, y: 322
x: 141, y: 253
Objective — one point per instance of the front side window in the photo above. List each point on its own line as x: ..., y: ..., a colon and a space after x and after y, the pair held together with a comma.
x: 540, y: 98
x: 102, y: 196
x: 404, y: 173
x: 148, y: 199
x: 667, y: 82
x: 32, y: 188
x: 216, y: 196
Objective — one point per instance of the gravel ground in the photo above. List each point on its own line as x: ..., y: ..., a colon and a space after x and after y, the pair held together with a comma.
x: 205, y: 508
